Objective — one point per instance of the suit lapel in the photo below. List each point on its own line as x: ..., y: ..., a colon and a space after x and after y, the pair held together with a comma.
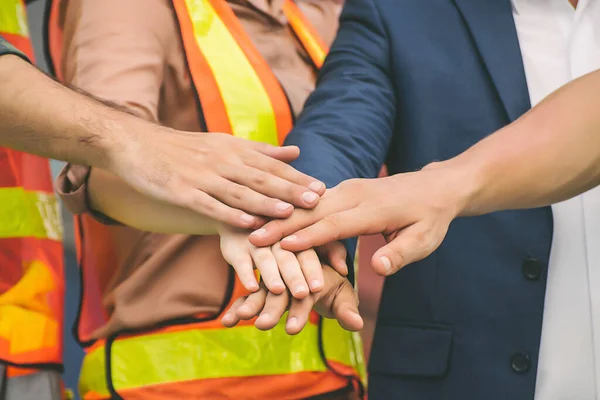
x: 493, y: 30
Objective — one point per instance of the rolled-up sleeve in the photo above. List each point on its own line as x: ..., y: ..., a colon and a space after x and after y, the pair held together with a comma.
x: 116, y: 51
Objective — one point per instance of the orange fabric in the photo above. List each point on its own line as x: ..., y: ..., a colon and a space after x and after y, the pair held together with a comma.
x: 13, y: 372
x: 261, y: 387
x: 306, y: 33
x: 21, y: 43
x: 279, y: 101
x: 96, y: 260
x: 212, y: 104
x: 31, y: 277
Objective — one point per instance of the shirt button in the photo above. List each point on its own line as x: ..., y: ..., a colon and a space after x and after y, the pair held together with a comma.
x: 532, y: 269
x: 520, y: 363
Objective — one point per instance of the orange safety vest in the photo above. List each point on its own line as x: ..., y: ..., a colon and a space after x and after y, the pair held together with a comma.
x: 31, y: 253
x: 238, y: 93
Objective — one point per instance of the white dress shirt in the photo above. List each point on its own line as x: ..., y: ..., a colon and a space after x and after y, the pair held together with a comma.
x: 560, y: 43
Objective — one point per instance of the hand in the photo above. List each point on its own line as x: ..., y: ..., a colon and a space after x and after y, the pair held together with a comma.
x: 412, y: 211
x: 301, y: 272
x: 337, y: 300
x: 218, y: 175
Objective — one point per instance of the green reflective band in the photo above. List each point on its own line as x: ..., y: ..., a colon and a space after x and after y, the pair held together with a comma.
x: 216, y: 353
x: 13, y: 18
x: 26, y: 213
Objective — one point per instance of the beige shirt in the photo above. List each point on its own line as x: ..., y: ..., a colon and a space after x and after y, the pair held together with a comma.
x: 130, y: 52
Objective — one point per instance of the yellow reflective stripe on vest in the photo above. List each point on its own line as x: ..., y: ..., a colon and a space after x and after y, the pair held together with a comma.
x: 248, y: 105
x: 196, y: 354
x: 13, y: 18
x: 25, y: 213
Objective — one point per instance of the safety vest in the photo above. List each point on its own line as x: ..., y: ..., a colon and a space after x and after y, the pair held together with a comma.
x: 238, y: 94
x: 31, y: 253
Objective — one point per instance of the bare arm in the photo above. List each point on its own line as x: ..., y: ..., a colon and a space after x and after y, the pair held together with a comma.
x: 42, y: 117
x: 114, y: 198
x: 550, y: 154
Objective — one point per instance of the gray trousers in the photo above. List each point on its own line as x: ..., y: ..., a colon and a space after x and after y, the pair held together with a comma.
x: 43, y: 385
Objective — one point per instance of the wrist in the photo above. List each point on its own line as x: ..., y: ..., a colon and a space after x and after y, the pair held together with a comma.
x: 463, y: 182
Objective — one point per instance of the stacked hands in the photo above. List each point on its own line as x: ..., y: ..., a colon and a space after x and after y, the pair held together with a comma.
x: 285, y: 224
x: 302, y: 264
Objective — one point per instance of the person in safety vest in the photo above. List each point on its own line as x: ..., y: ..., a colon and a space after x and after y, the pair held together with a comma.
x: 152, y: 302
x: 40, y: 118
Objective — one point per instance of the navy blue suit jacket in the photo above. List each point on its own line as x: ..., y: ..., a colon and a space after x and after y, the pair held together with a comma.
x: 409, y: 82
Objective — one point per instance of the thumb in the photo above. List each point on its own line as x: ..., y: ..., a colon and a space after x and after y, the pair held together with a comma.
x: 345, y: 309
x: 410, y: 245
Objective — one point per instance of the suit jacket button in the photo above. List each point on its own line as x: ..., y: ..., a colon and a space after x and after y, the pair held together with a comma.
x: 532, y: 269
x: 520, y: 363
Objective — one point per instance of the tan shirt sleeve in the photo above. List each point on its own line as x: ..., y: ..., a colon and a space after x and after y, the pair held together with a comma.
x: 115, y: 50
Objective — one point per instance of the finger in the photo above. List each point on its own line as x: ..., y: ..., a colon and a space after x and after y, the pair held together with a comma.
x: 287, y: 154
x: 281, y: 153
x: 345, y: 309
x: 231, y: 318
x: 276, y: 230
x: 311, y: 269
x: 241, y: 261
x: 253, y: 305
x: 298, y: 315
x: 342, y: 225
x: 334, y: 254
x: 411, y: 244
x: 205, y: 204
x: 265, y: 262
x: 290, y: 270
x: 269, y: 178
x: 245, y: 198
x: 275, y: 307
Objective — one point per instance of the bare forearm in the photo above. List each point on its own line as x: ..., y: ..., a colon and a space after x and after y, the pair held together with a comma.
x: 550, y: 154
x: 113, y: 197
x: 42, y: 117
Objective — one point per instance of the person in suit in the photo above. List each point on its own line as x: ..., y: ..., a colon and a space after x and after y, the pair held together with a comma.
x: 505, y: 308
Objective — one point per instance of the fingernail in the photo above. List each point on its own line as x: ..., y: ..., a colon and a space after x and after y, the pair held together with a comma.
x: 282, y: 206
x: 310, y: 197
x: 292, y: 322
x: 299, y: 289
x: 316, y: 186
x: 315, y: 284
x: 247, y: 218
x: 290, y: 238
x: 226, y: 317
x: 260, y: 232
x: 263, y: 318
x: 386, y: 264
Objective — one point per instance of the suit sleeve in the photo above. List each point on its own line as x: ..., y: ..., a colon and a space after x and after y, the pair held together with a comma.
x: 346, y: 127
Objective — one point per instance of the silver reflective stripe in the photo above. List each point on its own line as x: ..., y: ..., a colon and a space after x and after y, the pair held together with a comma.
x: 43, y: 385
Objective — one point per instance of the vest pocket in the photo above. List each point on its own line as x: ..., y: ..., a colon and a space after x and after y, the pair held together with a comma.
x: 411, y: 350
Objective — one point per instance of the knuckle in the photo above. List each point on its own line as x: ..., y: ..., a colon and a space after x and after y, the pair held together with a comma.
x: 332, y: 224
x: 260, y: 179
x: 262, y: 256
